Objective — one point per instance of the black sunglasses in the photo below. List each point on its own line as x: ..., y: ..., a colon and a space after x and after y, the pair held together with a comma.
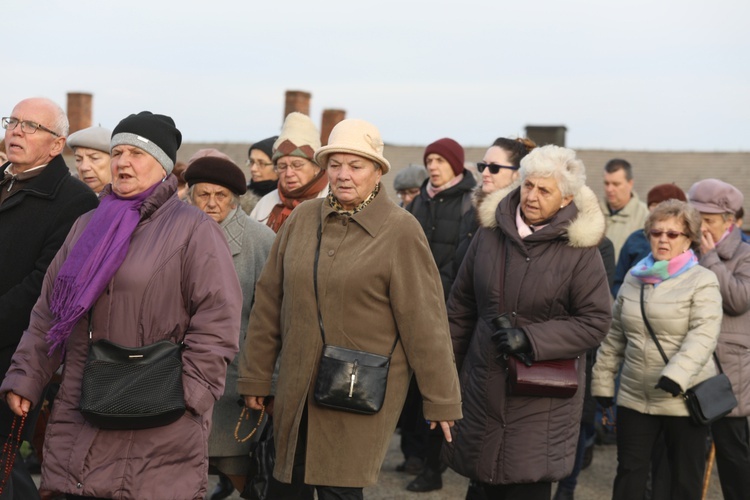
x: 670, y: 234
x: 494, y: 168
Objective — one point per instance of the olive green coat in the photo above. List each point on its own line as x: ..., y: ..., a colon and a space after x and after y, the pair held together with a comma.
x: 376, y: 279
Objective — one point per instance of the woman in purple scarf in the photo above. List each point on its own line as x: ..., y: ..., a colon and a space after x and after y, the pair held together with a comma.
x: 141, y: 268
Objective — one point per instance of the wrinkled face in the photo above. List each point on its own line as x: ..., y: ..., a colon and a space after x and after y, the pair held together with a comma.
x: 715, y: 225
x: 217, y: 201
x: 93, y: 167
x: 541, y: 199
x: 662, y: 246
x: 25, y: 150
x: 352, y: 178
x: 261, y: 166
x: 439, y: 170
x: 134, y: 171
x: 617, y: 188
x: 294, y: 172
x: 504, y: 177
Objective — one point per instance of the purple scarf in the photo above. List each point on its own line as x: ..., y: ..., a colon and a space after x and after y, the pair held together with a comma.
x: 93, y: 261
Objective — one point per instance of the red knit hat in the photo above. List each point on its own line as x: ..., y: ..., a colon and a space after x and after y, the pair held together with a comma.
x: 664, y: 192
x: 450, y: 150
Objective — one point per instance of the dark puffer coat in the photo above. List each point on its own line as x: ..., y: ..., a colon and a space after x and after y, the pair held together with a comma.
x: 444, y: 219
x: 556, y: 289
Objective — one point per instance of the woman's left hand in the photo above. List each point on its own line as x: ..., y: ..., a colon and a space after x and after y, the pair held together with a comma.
x: 446, y: 426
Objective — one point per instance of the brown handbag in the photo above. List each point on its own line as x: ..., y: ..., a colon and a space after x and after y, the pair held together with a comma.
x: 555, y: 378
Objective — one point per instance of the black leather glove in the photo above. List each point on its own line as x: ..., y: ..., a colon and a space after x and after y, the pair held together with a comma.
x: 669, y: 385
x: 605, y: 401
x: 511, y: 341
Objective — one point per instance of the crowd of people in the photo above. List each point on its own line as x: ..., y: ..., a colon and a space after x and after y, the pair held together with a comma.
x: 461, y: 290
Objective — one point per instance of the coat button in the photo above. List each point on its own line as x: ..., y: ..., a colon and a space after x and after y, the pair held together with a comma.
x: 79, y: 485
x: 345, y: 221
x: 330, y: 253
x: 513, y: 314
x: 528, y: 259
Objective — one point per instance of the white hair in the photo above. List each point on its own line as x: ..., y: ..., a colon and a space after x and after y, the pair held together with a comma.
x: 555, y: 161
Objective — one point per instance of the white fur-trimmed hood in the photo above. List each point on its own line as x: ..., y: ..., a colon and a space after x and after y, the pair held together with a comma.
x: 586, y: 230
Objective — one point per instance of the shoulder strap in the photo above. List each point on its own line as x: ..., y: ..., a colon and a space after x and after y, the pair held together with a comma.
x: 317, y: 303
x: 653, y: 335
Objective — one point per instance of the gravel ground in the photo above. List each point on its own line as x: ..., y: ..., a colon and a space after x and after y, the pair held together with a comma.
x: 594, y: 483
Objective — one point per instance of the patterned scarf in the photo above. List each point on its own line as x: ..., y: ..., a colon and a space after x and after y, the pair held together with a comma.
x: 654, y: 272
x: 290, y: 199
x: 334, y: 203
x: 93, y: 261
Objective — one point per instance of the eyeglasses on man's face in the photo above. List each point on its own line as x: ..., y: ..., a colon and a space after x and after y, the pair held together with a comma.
x: 494, y: 167
x: 27, y: 127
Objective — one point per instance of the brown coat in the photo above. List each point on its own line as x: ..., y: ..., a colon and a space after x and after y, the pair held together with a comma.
x: 556, y: 290
x: 177, y: 278
x: 376, y: 279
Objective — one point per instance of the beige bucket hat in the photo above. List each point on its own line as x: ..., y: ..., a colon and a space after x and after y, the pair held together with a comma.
x: 356, y: 137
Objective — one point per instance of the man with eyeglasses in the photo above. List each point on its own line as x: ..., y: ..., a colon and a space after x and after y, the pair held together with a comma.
x: 39, y: 201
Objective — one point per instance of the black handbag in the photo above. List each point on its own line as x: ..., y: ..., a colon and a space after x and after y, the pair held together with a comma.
x: 132, y: 387
x: 348, y: 379
x: 707, y: 401
x: 262, y: 459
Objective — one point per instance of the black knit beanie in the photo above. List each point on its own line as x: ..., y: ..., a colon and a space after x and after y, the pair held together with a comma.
x: 266, y: 145
x: 155, y: 134
x: 215, y: 170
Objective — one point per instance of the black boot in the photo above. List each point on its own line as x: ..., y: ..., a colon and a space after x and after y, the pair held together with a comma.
x: 563, y: 493
x: 427, y: 480
x: 223, y: 489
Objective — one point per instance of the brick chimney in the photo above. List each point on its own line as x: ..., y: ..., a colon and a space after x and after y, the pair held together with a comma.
x: 79, y: 110
x: 297, y: 100
x: 330, y: 118
x: 541, y: 135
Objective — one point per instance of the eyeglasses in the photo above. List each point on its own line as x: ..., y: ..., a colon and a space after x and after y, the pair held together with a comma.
x: 494, y: 168
x: 296, y: 166
x: 655, y: 233
x: 27, y: 127
x: 260, y: 163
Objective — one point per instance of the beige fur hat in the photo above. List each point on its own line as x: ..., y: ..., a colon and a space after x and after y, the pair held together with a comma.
x: 299, y: 137
x: 356, y: 137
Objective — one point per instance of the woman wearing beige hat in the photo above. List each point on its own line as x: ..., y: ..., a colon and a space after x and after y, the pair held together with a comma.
x: 378, y: 290
x: 91, y: 149
x: 300, y: 177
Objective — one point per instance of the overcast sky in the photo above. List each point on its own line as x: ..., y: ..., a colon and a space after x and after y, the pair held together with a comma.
x: 636, y: 74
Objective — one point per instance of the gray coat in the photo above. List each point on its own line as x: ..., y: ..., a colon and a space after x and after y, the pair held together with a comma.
x: 556, y: 290
x: 249, y: 241
x: 730, y: 261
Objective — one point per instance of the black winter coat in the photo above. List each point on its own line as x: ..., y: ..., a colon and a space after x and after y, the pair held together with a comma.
x: 33, y: 225
x: 444, y: 219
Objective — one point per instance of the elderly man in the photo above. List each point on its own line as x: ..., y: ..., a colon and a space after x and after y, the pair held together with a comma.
x: 215, y: 185
x: 623, y: 210
x: 39, y: 201
x: 91, y: 152
x: 723, y: 252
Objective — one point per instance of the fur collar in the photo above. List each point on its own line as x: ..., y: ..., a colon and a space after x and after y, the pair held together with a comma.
x: 585, y: 230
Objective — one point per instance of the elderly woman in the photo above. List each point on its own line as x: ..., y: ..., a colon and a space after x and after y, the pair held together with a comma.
x: 682, y: 303
x: 215, y: 185
x: 91, y: 152
x: 378, y: 291
x: 300, y: 176
x: 535, y: 259
x: 723, y: 252
x: 141, y: 268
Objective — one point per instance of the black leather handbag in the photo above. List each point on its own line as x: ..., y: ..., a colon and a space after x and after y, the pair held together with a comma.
x: 707, y: 401
x: 132, y: 387
x: 348, y: 379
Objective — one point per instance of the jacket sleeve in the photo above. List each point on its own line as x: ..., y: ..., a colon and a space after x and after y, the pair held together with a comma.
x: 418, y: 306
x: 462, y: 305
x: 734, y: 284
x: 16, y: 303
x: 263, y: 339
x: 610, y: 355
x: 589, y: 313
x: 699, y: 343
x: 215, y: 306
